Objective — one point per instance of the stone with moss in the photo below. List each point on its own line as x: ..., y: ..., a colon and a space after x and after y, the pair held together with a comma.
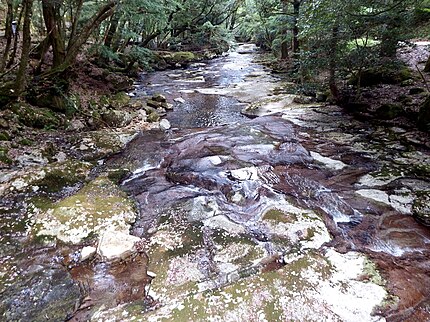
x: 4, y: 136
x: 390, y: 111
x: 119, y: 100
x: 98, y: 207
x: 30, y: 116
x: 4, y: 158
x: 116, y: 118
x: 52, y: 177
x: 421, y: 208
x: 153, y: 117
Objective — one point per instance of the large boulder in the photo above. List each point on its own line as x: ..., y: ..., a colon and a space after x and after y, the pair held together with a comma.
x: 98, y: 207
x: 116, y: 118
x: 385, y: 74
x: 36, y: 117
x: 390, y: 111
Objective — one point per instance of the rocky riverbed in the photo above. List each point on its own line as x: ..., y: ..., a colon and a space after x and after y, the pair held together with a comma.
x: 301, y: 213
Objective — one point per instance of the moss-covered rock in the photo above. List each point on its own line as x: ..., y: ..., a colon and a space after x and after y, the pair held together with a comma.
x: 53, y: 177
x: 7, y: 95
x: 36, y: 117
x: 116, y: 118
x: 153, y: 116
x: 119, y: 100
x: 421, y: 208
x: 385, y: 74
x: 4, y: 157
x: 4, y: 136
x: 390, y: 111
x: 99, y: 206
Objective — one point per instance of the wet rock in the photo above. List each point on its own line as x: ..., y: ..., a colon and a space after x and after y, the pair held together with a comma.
x: 43, y: 293
x: 304, y: 99
x: 179, y: 100
x: 167, y: 106
x: 421, y: 208
x: 115, y: 245
x: 98, y: 207
x: 153, y: 104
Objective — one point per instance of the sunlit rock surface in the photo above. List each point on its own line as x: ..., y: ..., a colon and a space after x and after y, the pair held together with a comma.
x: 98, y: 207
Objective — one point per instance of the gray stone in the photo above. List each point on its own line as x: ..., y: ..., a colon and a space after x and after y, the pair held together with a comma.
x: 159, y: 98
x: 114, y: 245
x: 165, y: 125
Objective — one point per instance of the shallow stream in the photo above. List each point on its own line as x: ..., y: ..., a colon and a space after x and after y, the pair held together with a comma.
x: 299, y: 213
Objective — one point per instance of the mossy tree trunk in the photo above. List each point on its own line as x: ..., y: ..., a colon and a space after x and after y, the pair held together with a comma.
x: 26, y: 45
x: 54, y: 28
x: 8, y: 35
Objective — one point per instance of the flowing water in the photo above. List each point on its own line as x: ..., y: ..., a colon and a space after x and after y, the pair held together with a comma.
x: 301, y: 213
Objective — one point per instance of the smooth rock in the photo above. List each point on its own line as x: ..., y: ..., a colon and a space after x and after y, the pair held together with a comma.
x: 114, y: 245
x: 87, y: 252
x: 180, y: 100
x: 165, y: 125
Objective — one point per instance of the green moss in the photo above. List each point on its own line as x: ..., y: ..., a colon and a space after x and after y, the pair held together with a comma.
x: 4, y: 157
x: 279, y: 216
x: 63, y: 175
x: 372, y: 273
x: 42, y: 118
x: 4, y: 136
x: 183, y: 56
x: 26, y: 142
x: 117, y: 175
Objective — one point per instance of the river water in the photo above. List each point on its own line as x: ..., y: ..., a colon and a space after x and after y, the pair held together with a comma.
x: 298, y: 212
x: 221, y: 197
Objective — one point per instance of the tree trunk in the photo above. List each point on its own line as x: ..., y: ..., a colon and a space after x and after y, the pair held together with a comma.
x: 296, y: 13
x: 75, y: 21
x: 333, y: 62
x: 26, y: 44
x: 427, y: 68
x: 8, y: 35
x: 52, y: 19
x: 112, y: 29
x: 76, y: 44
x: 15, y: 40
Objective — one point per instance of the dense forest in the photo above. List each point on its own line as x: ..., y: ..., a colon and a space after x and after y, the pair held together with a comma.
x: 317, y: 41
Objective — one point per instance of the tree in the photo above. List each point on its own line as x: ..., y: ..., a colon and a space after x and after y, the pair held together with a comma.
x: 26, y: 45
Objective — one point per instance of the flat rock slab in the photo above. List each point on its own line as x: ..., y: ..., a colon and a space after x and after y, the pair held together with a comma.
x: 116, y: 245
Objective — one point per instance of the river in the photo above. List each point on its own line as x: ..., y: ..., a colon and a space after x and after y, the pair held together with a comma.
x: 298, y: 212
